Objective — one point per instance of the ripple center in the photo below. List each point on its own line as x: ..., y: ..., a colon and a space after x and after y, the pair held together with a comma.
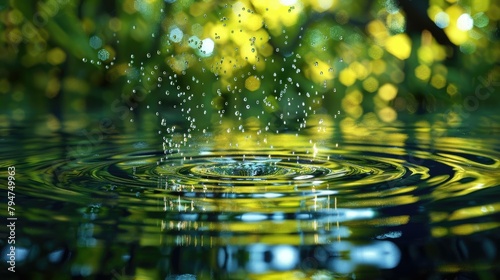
x: 240, y: 169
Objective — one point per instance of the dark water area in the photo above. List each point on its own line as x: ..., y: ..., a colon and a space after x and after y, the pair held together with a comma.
x: 334, y: 201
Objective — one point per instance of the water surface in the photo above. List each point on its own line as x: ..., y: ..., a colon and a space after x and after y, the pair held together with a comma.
x: 336, y: 201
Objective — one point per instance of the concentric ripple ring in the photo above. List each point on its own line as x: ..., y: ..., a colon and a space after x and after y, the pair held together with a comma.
x: 298, y: 170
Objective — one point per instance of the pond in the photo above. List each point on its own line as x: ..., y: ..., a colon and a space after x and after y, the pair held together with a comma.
x: 332, y: 202
x: 249, y: 139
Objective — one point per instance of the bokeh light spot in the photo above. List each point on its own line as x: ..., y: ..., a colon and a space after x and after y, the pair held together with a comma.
x: 347, y: 77
x: 465, y: 22
x: 252, y: 83
x: 370, y: 84
x: 481, y: 20
x: 387, y: 92
x: 56, y: 56
x: 103, y: 54
x: 175, y: 34
x: 442, y: 19
x: 399, y: 45
x: 423, y: 72
x: 95, y: 42
x: 438, y: 81
x: 207, y: 47
x: 387, y: 114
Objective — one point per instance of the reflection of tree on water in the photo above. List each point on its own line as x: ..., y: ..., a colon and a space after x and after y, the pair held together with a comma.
x: 331, y: 254
x: 401, y: 250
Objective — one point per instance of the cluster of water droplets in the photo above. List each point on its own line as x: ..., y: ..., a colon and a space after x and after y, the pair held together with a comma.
x: 209, y: 76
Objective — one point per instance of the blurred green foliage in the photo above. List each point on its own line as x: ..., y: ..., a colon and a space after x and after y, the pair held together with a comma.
x: 365, y: 58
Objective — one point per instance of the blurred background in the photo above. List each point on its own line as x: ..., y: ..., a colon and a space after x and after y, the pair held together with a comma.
x: 386, y: 60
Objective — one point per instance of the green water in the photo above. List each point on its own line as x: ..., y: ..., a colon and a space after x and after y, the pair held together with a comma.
x: 414, y: 201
